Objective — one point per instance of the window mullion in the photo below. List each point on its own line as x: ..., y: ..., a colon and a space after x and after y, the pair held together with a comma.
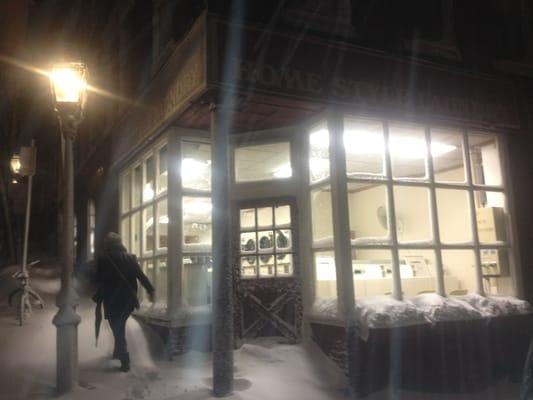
x: 391, y: 217
x: 434, y: 216
x: 341, y: 224
x: 473, y: 218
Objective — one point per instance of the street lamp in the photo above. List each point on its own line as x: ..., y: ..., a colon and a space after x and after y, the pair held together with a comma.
x: 68, y: 84
x: 15, y: 164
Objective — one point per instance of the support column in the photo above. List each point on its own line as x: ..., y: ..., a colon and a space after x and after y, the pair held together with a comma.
x: 175, y: 234
x: 66, y: 320
x: 222, y: 307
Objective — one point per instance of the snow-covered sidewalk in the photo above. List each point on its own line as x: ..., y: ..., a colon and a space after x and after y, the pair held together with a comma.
x: 264, y: 369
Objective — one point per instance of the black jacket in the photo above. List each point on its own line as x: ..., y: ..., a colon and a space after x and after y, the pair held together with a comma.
x: 116, y: 276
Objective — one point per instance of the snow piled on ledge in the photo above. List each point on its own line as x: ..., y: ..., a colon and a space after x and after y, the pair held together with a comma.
x: 386, y: 312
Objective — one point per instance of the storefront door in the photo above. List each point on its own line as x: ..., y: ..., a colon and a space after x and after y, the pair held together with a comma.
x: 268, y: 291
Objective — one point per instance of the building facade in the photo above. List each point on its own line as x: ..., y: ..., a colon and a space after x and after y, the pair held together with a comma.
x: 364, y: 168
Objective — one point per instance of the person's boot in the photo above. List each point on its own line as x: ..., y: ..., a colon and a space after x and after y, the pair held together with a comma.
x: 125, y: 362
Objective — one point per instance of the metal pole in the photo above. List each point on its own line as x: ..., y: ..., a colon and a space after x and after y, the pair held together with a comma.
x: 66, y: 320
x: 24, y: 267
x: 222, y: 271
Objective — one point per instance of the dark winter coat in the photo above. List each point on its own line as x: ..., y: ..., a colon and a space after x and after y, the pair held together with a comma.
x: 116, y: 277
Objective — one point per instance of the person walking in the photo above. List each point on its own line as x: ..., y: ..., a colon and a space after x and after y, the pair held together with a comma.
x: 117, y: 273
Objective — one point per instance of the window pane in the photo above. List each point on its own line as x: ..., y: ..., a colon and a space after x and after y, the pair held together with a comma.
x: 148, y: 268
x: 162, y: 225
x: 148, y: 230
x: 149, y: 179
x: 125, y: 192
x: 495, y: 269
x: 125, y: 232
x: 282, y: 215
x: 266, y: 241
x: 198, y: 279
x: 136, y: 233
x: 367, y: 205
x: 196, y: 166
x: 454, y: 215
x: 161, y: 283
x: 137, y: 186
x: 412, y: 213
x: 321, y: 214
x: 249, y: 267
x: 418, y: 272
x: 459, y: 271
x: 162, y: 179
x: 283, y: 240
x: 264, y: 217
x: 263, y: 162
x: 447, y: 152
x: 490, y: 215
x: 197, y: 220
x: 319, y: 153
x: 486, y: 167
x: 407, y: 146
x: 248, y: 242
x: 266, y: 266
x: 364, y: 145
x: 326, y: 278
x: 284, y: 265
x: 372, y: 271
x: 248, y: 218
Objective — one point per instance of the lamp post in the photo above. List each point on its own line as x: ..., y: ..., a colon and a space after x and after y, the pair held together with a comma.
x: 68, y: 84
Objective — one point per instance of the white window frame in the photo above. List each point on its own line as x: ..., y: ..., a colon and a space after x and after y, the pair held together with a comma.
x: 343, y: 247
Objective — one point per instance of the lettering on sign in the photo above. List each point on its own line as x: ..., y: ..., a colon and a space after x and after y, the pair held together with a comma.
x: 430, y: 96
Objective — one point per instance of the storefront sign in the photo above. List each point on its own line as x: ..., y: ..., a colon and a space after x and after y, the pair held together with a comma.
x: 270, y: 63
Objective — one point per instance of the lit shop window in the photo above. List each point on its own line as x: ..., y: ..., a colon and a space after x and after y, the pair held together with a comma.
x: 196, y: 166
x: 266, y: 242
x: 422, y: 211
x: 319, y: 154
x: 144, y: 215
x: 198, y: 271
x: 197, y: 228
x: 263, y: 162
x: 91, y: 226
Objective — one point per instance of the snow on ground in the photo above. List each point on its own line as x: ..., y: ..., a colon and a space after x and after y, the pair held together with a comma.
x: 264, y: 369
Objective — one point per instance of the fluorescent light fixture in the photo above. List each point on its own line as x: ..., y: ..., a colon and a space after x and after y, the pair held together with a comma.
x: 283, y: 171
x: 163, y: 219
x: 360, y: 142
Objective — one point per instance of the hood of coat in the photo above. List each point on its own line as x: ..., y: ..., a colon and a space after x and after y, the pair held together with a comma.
x: 113, y: 242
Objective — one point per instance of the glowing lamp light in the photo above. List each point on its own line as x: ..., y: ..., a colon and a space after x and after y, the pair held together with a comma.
x: 15, y: 164
x: 69, y: 82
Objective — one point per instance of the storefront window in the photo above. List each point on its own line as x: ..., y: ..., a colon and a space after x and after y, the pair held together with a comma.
x: 91, y: 227
x: 161, y: 281
x: 427, y: 238
x: 149, y: 179
x: 413, y: 221
x: 321, y: 215
x: 144, y: 224
x: 162, y: 225
x: 266, y: 253
x: 196, y: 166
x: 197, y: 221
x: 449, y: 164
x: 326, y: 278
x: 367, y: 205
x: 485, y: 159
x: 125, y: 191
x: 198, y: 279
x: 162, y: 179
x: 454, y: 216
x: 319, y: 154
x: 263, y: 162
x: 365, y: 147
x: 408, y: 149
